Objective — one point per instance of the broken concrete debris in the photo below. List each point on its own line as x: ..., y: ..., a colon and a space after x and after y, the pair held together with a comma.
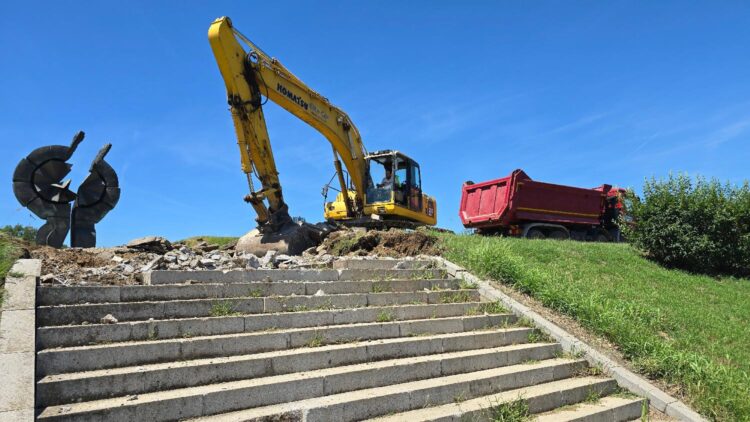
x: 126, y: 264
x: 155, y: 244
x: 108, y: 319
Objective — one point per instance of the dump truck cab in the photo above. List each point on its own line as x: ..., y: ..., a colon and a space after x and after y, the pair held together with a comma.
x: 394, y: 188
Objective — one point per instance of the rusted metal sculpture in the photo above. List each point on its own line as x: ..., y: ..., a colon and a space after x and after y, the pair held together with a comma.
x: 38, y: 185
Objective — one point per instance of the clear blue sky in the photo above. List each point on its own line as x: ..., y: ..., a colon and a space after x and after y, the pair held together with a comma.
x: 579, y: 93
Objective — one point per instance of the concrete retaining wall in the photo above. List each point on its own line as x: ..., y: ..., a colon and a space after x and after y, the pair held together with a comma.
x: 17, y: 344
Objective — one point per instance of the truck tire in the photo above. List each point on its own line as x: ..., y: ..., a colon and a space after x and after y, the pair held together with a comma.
x: 558, y: 235
x: 535, y: 234
x: 601, y: 237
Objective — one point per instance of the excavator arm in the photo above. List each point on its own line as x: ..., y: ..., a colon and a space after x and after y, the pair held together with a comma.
x: 251, y: 75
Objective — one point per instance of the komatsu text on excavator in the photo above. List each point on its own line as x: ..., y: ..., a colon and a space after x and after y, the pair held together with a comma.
x: 378, y: 188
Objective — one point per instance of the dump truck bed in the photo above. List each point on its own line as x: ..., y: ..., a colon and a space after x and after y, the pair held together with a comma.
x: 517, y: 199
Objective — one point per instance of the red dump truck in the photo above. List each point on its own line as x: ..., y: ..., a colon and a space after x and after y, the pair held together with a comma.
x: 518, y: 206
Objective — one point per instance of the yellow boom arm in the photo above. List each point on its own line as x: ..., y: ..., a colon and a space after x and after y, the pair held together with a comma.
x: 248, y: 77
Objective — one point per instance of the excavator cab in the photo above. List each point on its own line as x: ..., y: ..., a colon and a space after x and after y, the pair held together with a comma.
x: 394, y: 191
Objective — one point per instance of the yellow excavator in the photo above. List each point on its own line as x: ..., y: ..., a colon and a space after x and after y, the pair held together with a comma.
x: 379, y: 188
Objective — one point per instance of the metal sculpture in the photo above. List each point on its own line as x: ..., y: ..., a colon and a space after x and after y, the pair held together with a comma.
x: 38, y: 185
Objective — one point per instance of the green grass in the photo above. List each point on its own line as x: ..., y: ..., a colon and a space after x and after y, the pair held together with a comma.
x: 220, y: 309
x: 10, y: 250
x: 455, y: 297
x: 211, y: 240
x: 514, y: 411
x: 689, y: 330
x: 384, y: 316
x: 488, y: 308
x: 316, y: 341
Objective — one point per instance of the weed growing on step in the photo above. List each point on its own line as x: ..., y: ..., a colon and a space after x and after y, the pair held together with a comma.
x: 384, y: 316
x: 315, y: 341
x: 381, y: 287
x: 255, y: 293
x: 455, y: 297
x: 152, y: 334
x: 536, y: 336
x: 592, y: 396
x: 514, y: 411
x: 467, y: 285
x: 460, y: 397
x: 595, y: 370
x: 491, y: 308
x: 624, y: 393
x: 577, y: 354
x: 220, y: 309
x: 525, y: 322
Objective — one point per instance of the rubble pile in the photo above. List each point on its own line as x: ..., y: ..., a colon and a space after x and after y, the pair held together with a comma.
x: 126, y: 264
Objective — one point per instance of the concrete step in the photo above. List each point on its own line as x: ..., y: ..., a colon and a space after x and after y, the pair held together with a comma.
x: 606, y: 409
x: 86, y: 358
x: 81, y: 335
x: 339, y: 395
x: 388, y: 339
x: 133, y: 311
x: 179, y: 276
x: 68, y: 295
x: 538, y: 398
x: 382, y: 264
x: 366, y: 368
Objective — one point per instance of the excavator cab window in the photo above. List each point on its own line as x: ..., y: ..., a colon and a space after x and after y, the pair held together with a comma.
x: 415, y: 187
x: 381, y: 180
x: 401, y: 188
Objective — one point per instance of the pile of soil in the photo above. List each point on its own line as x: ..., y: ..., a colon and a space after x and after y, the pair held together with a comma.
x: 394, y: 243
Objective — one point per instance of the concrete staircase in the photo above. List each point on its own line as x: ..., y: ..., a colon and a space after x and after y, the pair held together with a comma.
x: 369, y: 339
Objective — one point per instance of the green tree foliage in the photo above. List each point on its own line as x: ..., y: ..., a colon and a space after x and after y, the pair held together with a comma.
x: 698, y: 225
x: 18, y: 231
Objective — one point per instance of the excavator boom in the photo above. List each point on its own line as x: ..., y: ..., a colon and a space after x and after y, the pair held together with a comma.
x: 250, y: 75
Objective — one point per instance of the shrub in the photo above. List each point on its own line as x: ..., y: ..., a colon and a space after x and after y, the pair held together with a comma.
x: 26, y: 233
x: 698, y: 225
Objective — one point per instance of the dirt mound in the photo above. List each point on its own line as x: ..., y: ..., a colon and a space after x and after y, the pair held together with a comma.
x: 392, y: 243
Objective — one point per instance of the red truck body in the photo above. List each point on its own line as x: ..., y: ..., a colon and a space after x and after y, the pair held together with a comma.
x: 515, y: 203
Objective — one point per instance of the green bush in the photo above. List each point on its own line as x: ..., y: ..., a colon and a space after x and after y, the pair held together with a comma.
x: 18, y: 231
x: 698, y: 225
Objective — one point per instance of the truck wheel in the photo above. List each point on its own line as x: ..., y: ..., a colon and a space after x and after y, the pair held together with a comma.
x: 558, y: 235
x: 601, y: 237
x: 535, y: 234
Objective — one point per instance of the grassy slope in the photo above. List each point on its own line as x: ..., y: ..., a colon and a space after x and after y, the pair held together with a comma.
x: 8, y: 254
x: 690, y: 330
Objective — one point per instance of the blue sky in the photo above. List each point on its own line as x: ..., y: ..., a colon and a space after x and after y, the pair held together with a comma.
x: 579, y: 93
